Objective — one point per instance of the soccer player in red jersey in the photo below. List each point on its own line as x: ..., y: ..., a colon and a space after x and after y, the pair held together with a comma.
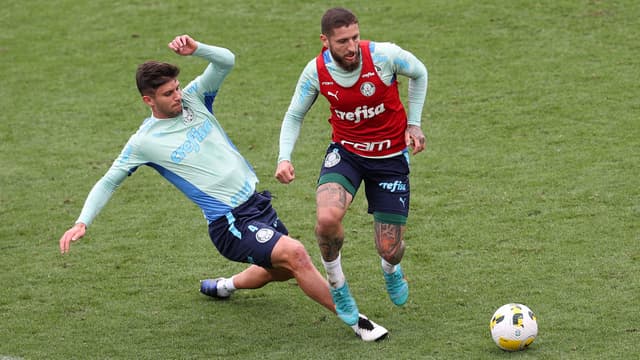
x: 372, y: 135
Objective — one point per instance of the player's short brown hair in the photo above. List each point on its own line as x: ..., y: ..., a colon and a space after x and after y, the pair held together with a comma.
x: 336, y: 18
x: 153, y: 74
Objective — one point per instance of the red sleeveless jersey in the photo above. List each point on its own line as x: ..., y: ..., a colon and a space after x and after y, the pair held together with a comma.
x: 367, y: 118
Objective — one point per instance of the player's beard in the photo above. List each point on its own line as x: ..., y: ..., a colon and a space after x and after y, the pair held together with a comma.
x: 177, y: 110
x: 348, y: 66
x: 173, y: 110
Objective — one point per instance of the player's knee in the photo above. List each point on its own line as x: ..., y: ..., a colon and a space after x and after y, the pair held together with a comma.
x: 297, y: 256
x: 327, y: 224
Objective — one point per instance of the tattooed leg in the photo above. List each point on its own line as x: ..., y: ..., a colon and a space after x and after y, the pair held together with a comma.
x: 332, y: 202
x: 389, y: 241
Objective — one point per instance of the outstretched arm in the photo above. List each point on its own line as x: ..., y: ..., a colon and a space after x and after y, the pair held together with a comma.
x: 221, y: 61
x: 96, y: 200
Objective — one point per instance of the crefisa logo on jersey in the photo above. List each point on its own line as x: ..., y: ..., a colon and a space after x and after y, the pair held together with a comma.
x: 187, y: 116
x: 367, y: 89
x: 263, y: 235
x: 195, y: 135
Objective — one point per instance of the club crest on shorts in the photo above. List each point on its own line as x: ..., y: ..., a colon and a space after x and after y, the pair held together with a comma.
x: 332, y: 159
x: 263, y: 235
x: 187, y: 115
x: 367, y: 89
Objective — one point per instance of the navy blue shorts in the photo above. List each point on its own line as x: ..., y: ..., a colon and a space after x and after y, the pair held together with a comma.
x: 249, y: 232
x: 386, y: 181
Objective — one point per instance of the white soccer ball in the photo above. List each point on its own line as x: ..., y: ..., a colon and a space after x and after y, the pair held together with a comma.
x: 513, y: 327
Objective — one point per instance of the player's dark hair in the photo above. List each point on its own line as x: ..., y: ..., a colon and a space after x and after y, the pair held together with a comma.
x: 336, y: 18
x: 153, y: 74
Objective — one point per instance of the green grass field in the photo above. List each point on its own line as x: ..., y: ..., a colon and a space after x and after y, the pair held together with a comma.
x: 528, y: 191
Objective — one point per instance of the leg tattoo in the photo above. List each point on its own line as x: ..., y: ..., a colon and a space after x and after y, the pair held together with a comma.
x: 332, y: 201
x: 389, y: 241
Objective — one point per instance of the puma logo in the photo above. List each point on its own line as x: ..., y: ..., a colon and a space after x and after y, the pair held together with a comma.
x: 335, y: 95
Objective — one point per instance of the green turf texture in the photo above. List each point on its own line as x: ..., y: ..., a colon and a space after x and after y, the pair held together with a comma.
x: 528, y: 190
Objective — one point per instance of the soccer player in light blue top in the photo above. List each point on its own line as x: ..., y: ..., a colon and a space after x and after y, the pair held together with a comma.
x: 184, y: 142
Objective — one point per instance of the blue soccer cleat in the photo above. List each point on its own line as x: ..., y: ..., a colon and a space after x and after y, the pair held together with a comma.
x: 397, y: 286
x: 346, y: 307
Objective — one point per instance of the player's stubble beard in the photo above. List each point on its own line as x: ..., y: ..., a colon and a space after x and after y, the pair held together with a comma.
x: 344, y: 64
x: 178, y: 110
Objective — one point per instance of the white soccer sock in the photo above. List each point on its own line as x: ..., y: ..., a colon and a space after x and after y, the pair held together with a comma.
x: 388, y: 268
x: 335, y: 276
x: 226, y: 287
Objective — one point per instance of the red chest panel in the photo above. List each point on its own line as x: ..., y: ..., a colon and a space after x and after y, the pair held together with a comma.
x: 367, y: 118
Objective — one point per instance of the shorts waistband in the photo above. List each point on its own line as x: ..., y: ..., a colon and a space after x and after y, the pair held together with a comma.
x: 227, y: 218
